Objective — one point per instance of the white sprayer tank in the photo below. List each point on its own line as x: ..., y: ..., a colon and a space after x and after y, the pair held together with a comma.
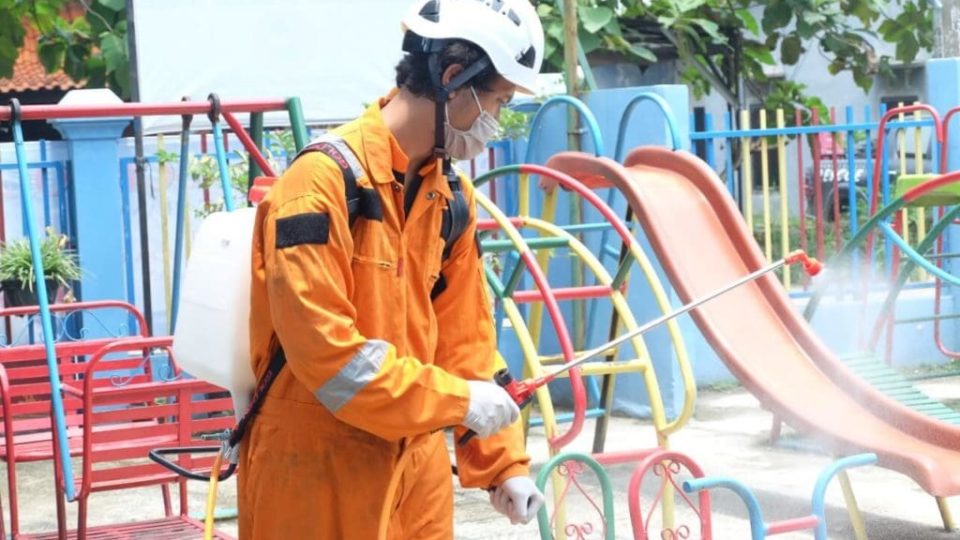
x: 212, y: 336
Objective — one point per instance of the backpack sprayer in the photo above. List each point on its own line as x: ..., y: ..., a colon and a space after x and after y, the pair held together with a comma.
x: 522, y: 391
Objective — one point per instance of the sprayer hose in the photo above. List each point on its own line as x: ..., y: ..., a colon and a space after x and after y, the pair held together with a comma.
x: 212, y: 498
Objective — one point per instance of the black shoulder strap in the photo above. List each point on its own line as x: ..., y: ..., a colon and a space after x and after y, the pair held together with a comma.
x: 360, y: 201
x: 455, y: 215
x: 455, y: 218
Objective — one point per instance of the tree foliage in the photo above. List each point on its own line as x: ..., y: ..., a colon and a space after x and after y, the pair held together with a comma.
x: 91, y: 47
x: 720, y: 43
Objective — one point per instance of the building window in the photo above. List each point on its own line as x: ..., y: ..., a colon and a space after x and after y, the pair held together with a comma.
x: 699, y: 125
x: 892, y: 102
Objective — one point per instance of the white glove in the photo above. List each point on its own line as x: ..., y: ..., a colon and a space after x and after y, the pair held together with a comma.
x: 517, y: 498
x: 490, y: 410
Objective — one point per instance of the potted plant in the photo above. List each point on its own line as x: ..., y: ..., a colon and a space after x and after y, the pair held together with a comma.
x: 17, y: 275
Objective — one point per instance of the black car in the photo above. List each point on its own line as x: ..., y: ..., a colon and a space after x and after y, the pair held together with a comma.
x: 839, y: 179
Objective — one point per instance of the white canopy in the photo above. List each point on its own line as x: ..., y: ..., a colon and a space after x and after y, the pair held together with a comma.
x: 335, y: 55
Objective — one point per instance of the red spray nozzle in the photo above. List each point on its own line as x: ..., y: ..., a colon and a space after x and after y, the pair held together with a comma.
x: 810, y: 265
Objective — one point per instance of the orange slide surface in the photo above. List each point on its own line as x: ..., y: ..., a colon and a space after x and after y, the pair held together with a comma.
x: 702, y: 243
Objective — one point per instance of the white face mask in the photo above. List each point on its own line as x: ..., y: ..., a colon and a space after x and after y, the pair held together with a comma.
x: 466, y: 145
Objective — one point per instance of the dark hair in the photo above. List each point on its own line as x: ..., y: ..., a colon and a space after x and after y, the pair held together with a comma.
x: 413, y: 72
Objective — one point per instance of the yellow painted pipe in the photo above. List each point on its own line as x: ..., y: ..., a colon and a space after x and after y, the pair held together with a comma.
x: 641, y: 365
x: 524, y: 195
x: 532, y: 366
x: 765, y: 184
x: 615, y: 368
x: 945, y: 514
x: 535, y: 367
x: 853, y: 509
x: 784, y: 197
x: 165, y: 235
x: 548, y: 212
x: 663, y: 303
x: 658, y: 414
x: 659, y: 294
x: 660, y: 297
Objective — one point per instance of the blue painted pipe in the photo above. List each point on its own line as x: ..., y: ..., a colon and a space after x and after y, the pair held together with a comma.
x: 593, y: 128
x: 711, y: 157
x: 45, y: 184
x: 56, y: 397
x: 181, y: 216
x: 222, y: 165
x: 851, y: 175
x: 820, y: 489
x: 807, y: 130
x: 127, y: 230
x: 667, y: 115
x: 758, y: 529
x: 916, y: 257
x: 728, y: 154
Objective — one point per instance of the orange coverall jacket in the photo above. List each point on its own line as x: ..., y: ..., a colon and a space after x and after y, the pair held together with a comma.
x: 371, y: 361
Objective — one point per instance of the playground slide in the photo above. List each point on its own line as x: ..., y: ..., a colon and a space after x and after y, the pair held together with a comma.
x: 702, y: 242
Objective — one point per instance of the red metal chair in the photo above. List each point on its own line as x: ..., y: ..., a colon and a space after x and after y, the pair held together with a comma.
x: 124, y: 419
x: 25, y: 390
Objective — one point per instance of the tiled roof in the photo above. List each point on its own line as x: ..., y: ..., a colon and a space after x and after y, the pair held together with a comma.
x: 28, y: 72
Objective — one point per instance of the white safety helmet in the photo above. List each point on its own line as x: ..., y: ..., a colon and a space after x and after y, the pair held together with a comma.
x: 509, y: 31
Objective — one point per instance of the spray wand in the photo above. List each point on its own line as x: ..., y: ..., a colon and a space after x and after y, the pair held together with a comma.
x: 522, y: 391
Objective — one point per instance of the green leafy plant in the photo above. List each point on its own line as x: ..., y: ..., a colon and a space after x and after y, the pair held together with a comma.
x: 166, y: 156
x: 281, y: 142
x: 206, y: 173
x: 59, y: 262
x: 513, y: 124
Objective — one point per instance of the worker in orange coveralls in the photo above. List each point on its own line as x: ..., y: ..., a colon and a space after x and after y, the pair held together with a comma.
x: 369, y: 308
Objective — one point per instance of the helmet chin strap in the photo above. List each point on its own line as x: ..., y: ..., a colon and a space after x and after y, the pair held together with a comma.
x: 443, y: 92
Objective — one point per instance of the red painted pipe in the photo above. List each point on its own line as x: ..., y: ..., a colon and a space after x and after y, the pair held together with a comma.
x: 21, y: 311
x: 49, y: 112
x: 660, y: 463
x: 492, y: 225
x: 818, y: 190
x: 569, y: 293
x: 877, y: 164
x: 803, y: 193
x: 945, y: 148
x: 566, y: 348
x: 550, y: 178
x: 248, y: 143
x: 791, y: 525
x: 837, y: 237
